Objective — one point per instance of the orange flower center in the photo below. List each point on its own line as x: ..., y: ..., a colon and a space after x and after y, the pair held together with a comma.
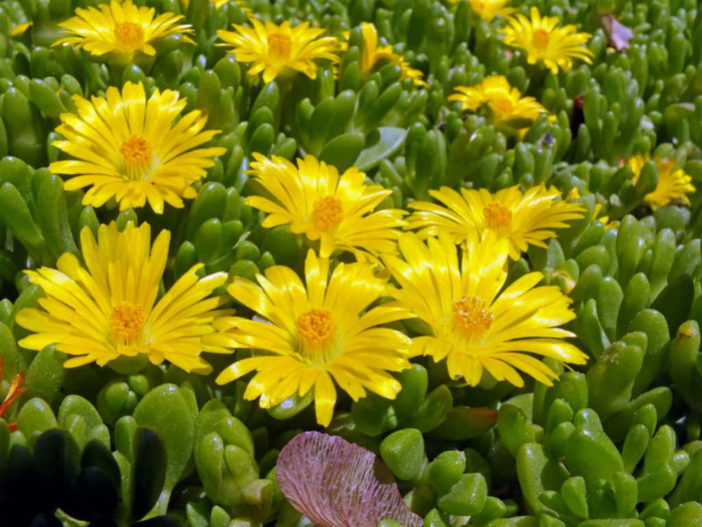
x: 327, y: 213
x: 471, y: 316
x: 129, y: 34
x: 136, y: 151
x: 315, y: 327
x: 279, y: 46
x: 127, y: 320
x: 498, y: 217
x: 503, y: 106
x: 540, y: 39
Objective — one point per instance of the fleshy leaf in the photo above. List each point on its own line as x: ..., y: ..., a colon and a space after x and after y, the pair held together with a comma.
x: 335, y: 483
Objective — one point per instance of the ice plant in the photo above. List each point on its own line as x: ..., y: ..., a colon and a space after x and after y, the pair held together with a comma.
x: 522, y: 218
x: 337, y: 211
x: 316, y: 333
x: 275, y: 50
x: 13, y: 393
x: 121, y: 30
x: 133, y: 149
x: 219, y: 3
x: 335, y: 483
x: 504, y: 103
x: 476, y: 325
x: 109, y: 307
x: 374, y: 55
x: 546, y: 43
x: 20, y: 29
x: 672, y: 183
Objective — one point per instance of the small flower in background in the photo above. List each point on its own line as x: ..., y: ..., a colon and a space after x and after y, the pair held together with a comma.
x: 317, y: 332
x: 373, y: 55
x: 545, y: 43
x: 20, y: 29
x: 134, y: 149
x: 505, y: 104
x: 476, y: 325
x: 489, y: 9
x: 219, y: 3
x: 522, y: 218
x: 276, y: 50
x: 672, y: 184
x: 121, y: 29
x: 13, y: 393
x: 337, y: 211
x: 335, y: 483
x: 108, y: 308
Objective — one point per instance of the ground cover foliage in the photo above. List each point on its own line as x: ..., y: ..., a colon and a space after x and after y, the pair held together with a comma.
x: 416, y: 263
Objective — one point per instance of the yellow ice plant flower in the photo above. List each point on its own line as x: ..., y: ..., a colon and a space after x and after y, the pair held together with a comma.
x: 505, y: 103
x: 134, y: 149
x: 338, y: 211
x: 316, y: 333
x: 373, y: 55
x: 108, y: 307
x: 489, y: 9
x: 545, y: 43
x: 121, y: 29
x: 672, y: 184
x: 522, y: 218
x: 476, y: 325
x: 20, y: 29
x: 276, y: 50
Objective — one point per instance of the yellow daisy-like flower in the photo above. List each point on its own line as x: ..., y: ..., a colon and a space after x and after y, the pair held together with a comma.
x: 505, y: 103
x: 134, y: 149
x: 337, y: 211
x: 489, y: 9
x: 275, y: 50
x: 522, y: 218
x: 555, y: 47
x: 374, y: 55
x: 121, y: 29
x: 475, y: 324
x: 108, y: 308
x: 317, y: 333
x: 672, y: 184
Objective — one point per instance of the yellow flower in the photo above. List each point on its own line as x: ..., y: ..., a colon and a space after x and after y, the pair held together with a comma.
x: 505, y: 103
x: 121, y: 29
x: 374, y: 55
x: 522, y: 218
x: 108, y: 308
x: 475, y: 324
x: 489, y: 9
x: 317, y: 333
x: 337, y: 211
x: 127, y: 147
x: 574, y: 193
x: 20, y: 29
x: 545, y: 43
x: 275, y: 50
x: 672, y: 184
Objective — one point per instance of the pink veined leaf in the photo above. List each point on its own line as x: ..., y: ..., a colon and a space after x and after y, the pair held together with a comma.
x: 335, y: 483
x: 619, y: 34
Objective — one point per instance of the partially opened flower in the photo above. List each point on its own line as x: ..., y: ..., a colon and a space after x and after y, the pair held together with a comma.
x: 545, y: 43
x: 13, y: 392
x: 315, y: 201
x: 489, y: 9
x: 275, y: 50
x: 121, y: 30
x: 316, y: 333
x: 374, y: 55
x: 523, y: 219
x: 335, y: 483
x: 504, y: 103
x: 476, y: 324
x: 109, y: 307
x: 133, y: 149
x: 20, y: 29
x: 673, y: 184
